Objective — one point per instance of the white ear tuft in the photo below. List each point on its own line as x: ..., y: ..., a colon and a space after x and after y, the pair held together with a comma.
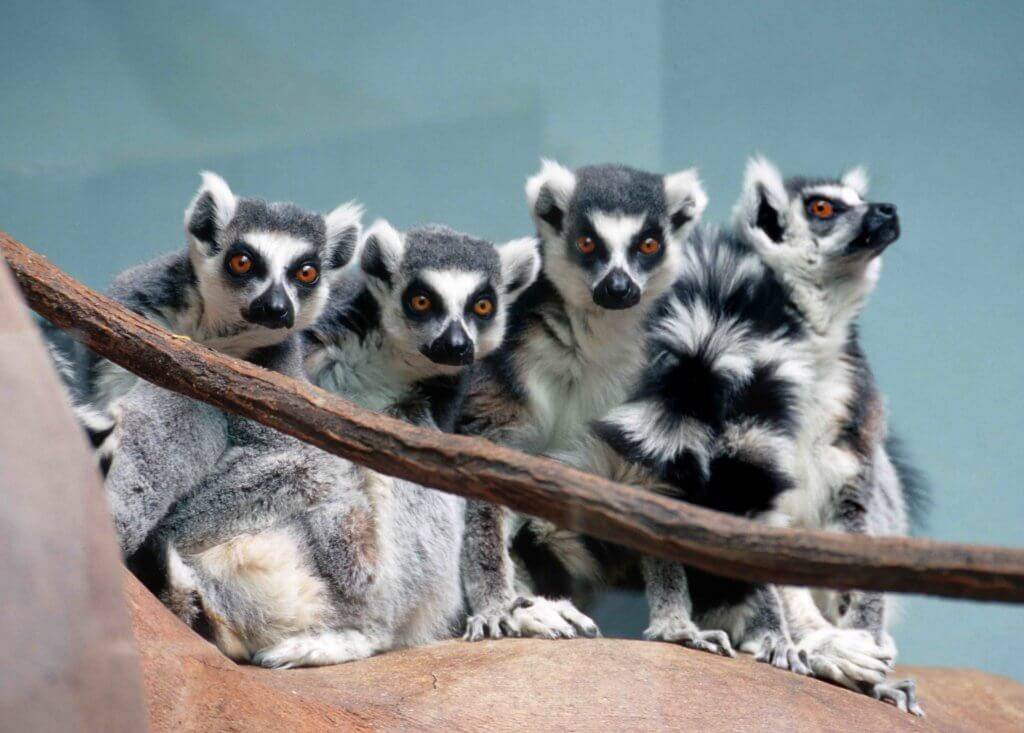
x: 210, y: 211
x: 548, y: 193
x: 520, y: 265
x: 763, y: 208
x: 344, y: 225
x: 857, y: 179
x: 685, y: 199
x: 383, y: 248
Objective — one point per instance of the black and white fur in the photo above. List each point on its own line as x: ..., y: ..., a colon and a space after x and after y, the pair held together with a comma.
x: 847, y: 479
x: 379, y: 352
x: 163, y: 443
x: 759, y: 403
x: 299, y: 558
x: 574, y: 350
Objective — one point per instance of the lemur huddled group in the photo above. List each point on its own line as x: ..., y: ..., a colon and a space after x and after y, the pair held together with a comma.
x: 717, y: 365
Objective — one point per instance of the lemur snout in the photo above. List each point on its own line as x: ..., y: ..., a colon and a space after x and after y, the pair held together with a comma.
x: 881, y: 227
x: 453, y: 347
x: 617, y: 291
x: 272, y: 309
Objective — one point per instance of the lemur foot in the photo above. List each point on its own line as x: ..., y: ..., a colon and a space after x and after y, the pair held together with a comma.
x: 686, y: 633
x: 849, y: 657
x: 534, y: 617
x: 902, y: 694
x: 781, y: 653
x: 315, y: 650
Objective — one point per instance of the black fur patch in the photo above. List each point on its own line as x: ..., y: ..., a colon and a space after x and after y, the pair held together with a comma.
x: 548, y: 210
x: 680, y: 219
x: 768, y: 219
x: 373, y: 261
x: 203, y: 223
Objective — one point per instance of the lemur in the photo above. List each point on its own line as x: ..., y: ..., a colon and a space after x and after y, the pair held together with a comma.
x: 253, y: 275
x: 425, y: 309
x: 612, y: 241
x: 298, y: 558
x: 824, y: 242
x: 758, y: 402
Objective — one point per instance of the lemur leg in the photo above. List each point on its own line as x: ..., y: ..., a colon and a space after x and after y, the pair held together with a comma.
x: 488, y: 578
x: 902, y: 694
x: 767, y: 635
x: 849, y: 657
x: 858, y: 609
x: 668, y: 595
x: 165, y: 443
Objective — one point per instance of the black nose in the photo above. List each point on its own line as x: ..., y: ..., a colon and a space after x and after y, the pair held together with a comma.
x: 453, y: 347
x: 886, y: 211
x: 272, y: 309
x: 617, y: 291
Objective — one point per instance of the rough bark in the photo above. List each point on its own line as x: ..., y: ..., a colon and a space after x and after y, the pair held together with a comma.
x: 476, y: 468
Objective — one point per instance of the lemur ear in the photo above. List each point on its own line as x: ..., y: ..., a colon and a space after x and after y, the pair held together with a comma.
x: 344, y: 226
x: 685, y: 199
x: 763, y: 208
x: 383, y: 247
x: 520, y: 265
x: 210, y: 211
x: 857, y: 179
x: 548, y: 194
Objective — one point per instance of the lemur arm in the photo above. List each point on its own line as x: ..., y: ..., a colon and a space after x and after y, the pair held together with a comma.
x: 163, y: 444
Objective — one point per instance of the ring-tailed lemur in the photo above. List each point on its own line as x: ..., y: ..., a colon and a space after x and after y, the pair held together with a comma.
x: 824, y: 242
x: 254, y: 274
x: 612, y: 240
x: 296, y: 557
x: 426, y: 307
x: 759, y: 403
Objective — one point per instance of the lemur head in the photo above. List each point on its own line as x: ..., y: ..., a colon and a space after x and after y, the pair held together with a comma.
x: 264, y: 269
x: 612, y: 236
x: 820, y: 236
x: 444, y: 296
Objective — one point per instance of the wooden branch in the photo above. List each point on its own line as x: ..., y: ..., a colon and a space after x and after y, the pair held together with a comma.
x: 475, y: 468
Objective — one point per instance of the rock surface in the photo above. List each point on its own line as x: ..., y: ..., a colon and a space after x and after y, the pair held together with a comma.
x: 583, y: 685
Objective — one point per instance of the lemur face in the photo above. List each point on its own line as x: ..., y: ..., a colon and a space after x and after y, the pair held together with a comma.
x: 819, y: 231
x: 443, y: 295
x: 264, y: 269
x: 612, y: 236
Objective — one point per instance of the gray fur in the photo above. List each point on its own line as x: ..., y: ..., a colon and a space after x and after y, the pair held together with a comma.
x: 163, y: 444
x: 381, y: 555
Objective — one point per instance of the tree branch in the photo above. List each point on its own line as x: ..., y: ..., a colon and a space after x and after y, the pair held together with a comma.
x: 475, y: 468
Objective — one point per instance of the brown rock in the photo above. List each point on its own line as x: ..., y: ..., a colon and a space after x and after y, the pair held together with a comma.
x: 583, y: 685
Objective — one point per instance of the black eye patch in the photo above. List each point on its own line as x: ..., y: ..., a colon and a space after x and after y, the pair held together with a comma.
x: 579, y: 239
x: 643, y: 260
x: 257, y: 269
x: 421, y: 303
x: 483, y: 305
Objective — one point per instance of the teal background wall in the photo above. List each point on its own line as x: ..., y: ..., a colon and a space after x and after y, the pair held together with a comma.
x: 439, y: 112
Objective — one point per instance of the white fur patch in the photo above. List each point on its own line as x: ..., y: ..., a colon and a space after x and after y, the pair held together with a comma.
x: 618, y: 232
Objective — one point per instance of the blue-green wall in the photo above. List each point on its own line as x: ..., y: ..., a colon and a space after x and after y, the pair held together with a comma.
x: 108, y: 110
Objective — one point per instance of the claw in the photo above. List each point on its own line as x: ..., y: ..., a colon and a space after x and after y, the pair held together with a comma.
x: 902, y: 694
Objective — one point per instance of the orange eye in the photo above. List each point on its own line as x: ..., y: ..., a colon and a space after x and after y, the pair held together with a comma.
x: 822, y: 208
x: 307, y: 274
x: 586, y: 245
x: 240, y: 263
x: 650, y: 246
x: 483, y: 307
x: 419, y: 303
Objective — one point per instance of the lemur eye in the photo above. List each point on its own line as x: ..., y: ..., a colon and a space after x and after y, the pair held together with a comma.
x: 240, y: 263
x: 419, y: 303
x: 650, y: 246
x: 586, y: 245
x: 307, y: 274
x: 483, y: 307
x: 821, y: 208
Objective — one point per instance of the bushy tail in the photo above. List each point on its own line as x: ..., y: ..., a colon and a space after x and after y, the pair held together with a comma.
x: 917, y: 491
